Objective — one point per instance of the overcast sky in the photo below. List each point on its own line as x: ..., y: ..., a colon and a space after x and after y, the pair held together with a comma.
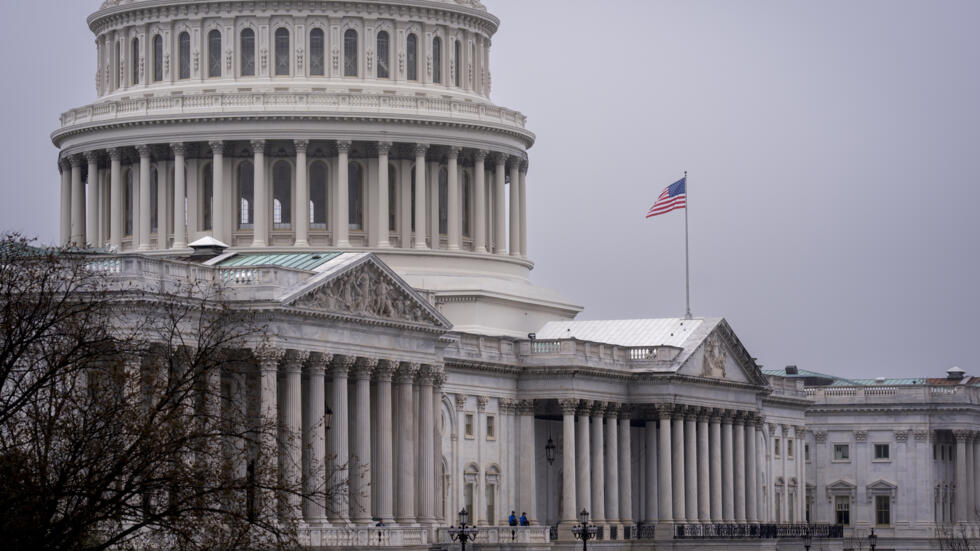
x: 833, y: 151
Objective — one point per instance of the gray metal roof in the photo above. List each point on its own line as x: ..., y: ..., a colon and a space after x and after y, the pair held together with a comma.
x: 639, y: 332
x: 298, y: 261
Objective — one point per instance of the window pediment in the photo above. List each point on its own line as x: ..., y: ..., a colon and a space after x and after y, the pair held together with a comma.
x: 881, y: 488
x: 841, y: 488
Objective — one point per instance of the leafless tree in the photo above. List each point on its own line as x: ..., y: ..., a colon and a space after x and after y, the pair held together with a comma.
x: 953, y: 538
x: 128, y: 417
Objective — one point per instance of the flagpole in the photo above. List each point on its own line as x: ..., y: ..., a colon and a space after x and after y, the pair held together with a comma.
x: 687, y: 254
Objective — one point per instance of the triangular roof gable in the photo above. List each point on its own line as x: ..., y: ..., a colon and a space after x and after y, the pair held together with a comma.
x: 360, y: 286
x: 714, y: 351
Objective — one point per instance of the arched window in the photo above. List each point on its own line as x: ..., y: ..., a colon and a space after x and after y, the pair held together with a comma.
x: 207, y: 197
x: 350, y: 53
x: 355, y: 196
x: 437, y: 60
x: 317, y: 48
x: 134, y: 61
x: 184, y: 55
x: 282, y: 196
x: 214, y: 53
x: 246, y: 195
x: 457, y: 66
x: 157, y: 58
x: 443, y: 202
x: 392, y: 199
x: 318, y: 195
x: 282, y: 51
x: 466, y: 204
x: 130, y: 190
x: 383, y: 54
x: 153, y: 200
x: 412, y: 45
x: 248, y: 53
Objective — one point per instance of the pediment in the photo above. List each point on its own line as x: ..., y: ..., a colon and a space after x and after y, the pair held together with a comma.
x: 721, y: 355
x: 366, y: 289
x: 841, y: 488
x: 881, y: 488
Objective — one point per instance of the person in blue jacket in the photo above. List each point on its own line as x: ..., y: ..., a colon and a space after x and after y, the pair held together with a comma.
x: 512, y: 519
x: 524, y: 521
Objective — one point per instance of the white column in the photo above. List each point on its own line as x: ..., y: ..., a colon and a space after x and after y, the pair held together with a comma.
x: 679, y: 467
x: 383, y: 473
x: 339, y: 436
x: 163, y: 224
x: 341, y: 211
x: 116, y: 208
x: 301, y: 216
x: 704, y: 477
x: 751, y: 468
x: 598, y: 509
x: 960, y: 498
x: 432, y: 172
x: 92, y: 194
x: 526, y: 461
x: 569, y: 491
x: 715, y: 466
x: 405, y: 511
x: 976, y: 472
x: 144, y: 195
x: 454, y: 218
x: 426, y: 437
x: 691, y: 466
x: 420, y: 185
x: 360, y: 478
x: 665, y: 474
x: 738, y: 466
x: 479, y: 202
x: 583, y: 460
x: 727, y: 469
x: 315, y: 437
x: 293, y: 409
x: 524, y: 208
x: 499, y: 208
x: 612, y: 463
x: 219, y: 195
x: 268, y: 422
x: 260, y: 195
x: 382, y: 230
x: 515, y: 206
x: 65, y: 167
x: 180, y: 229
x: 77, y: 202
x: 625, y: 468
x: 653, y: 508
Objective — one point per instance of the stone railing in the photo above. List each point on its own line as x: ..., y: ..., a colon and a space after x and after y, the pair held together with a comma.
x: 302, y: 103
x: 574, y: 351
x: 898, y: 394
x: 757, y: 531
x: 503, y: 534
x: 364, y: 536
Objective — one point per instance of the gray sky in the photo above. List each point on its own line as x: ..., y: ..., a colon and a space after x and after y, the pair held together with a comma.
x: 832, y: 150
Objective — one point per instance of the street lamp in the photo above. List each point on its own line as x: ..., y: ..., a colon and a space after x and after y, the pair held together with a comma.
x: 463, y: 533
x: 549, y: 451
x: 327, y: 416
x: 872, y: 540
x: 807, y: 537
x: 585, y: 531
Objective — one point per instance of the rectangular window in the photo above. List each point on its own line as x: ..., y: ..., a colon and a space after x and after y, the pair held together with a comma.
x: 776, y: 444
x: 883, y: 511
x: 806, y: 452
x: 842, y: 510
x: 789, y: 448
x: 468, y: 425
x: 882, y: 452
x: 842, y: 452
x: 491, y: 427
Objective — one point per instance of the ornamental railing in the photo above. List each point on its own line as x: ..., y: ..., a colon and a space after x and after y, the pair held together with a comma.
x: 758, y: 531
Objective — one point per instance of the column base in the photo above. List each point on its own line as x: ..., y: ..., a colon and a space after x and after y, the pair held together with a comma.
x: 664, y: 531
x: 256, y: 244
x: 565, y: 530
x: 343, y: 244
x: 299, y: 243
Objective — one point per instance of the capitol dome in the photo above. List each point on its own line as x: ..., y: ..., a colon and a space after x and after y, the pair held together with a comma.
x: 298, y: 126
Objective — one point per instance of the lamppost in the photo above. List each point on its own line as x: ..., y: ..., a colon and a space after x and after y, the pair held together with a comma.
x: 585, y: 531
x: 807, y: 537
x: 463, y: 533
x: 872, y: 540
x: 549, y: 450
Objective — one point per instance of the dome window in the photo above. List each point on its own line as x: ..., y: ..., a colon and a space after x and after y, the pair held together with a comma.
x: 316, y: 52
x: 350, y: 53
x: 248, y: 53
x: 383, y: 54
x: 214, y: 54
x: 184, y: 55
x: 282, y: 52
x: 157, y: 58
x: 437, y: 60
x: 412, y: 45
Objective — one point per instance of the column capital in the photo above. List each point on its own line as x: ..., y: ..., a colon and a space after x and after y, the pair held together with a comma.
x: 506, y: 406
x: 92, y: 157
x: 820, y: 436
x: 343, y: 146
x: 626, y: 412
x: 76, y: 160
x: 294, y: 360
x: 438, y: 379
x: 268, y: 358
x: 513, y: 162
x: 454, y: 151
x: 258, y: 146
x: 703, y: 414
x: 665, y: 411
x: 460, y: 400
x: 63, y: 164
x: 301, y: 145
x: 406, y: 372
x: 524, y: 165
x: 178, y: 148
x: 385, y: 370
x: 727, y: 416
x: 612, y: 410
x: 317, y: 362
x: 420, y: 149
x: 902, y: 435
x: 143, y: 150
x: 115, y: 154
x: 960, y: 435
x: 384, y: 148
x: 481, y: 403
x: 341, y: 365
x: 500, y: 159
x: 480, y: 155
x: 568, y: 405
x: 217, y: 147
x: 364, y: 367
x: 426, y: 374
x: 525, y: 407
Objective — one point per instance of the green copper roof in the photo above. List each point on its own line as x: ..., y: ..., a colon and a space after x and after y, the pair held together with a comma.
x: 298, y: 261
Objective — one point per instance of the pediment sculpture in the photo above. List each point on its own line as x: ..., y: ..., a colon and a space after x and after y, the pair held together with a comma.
x: 714, y: 357
x: 368, y: 292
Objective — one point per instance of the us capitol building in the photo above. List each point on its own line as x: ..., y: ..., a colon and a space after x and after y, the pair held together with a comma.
x: 344, y: 165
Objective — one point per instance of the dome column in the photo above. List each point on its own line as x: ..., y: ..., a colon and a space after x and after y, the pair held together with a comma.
x: 92, y: 217
x: 480, y: 202
x: 342, y: 212
x: 77, y: 202
x: 115, y: 199
x: 523, y: 194
x: 382, y: 230
x: 144, y: 195
x: 499, y: 208
x: 454, y: 215
x: 515, y: 207
x: 218, y: 192
x: 302, y: 212
x: 260, y: 226
x: 163, y: 222
x: 180, y: 214
x: 420, y: 184
x: 65, y: 168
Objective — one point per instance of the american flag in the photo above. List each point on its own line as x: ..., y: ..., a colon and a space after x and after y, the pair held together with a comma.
x: 672, y: 198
